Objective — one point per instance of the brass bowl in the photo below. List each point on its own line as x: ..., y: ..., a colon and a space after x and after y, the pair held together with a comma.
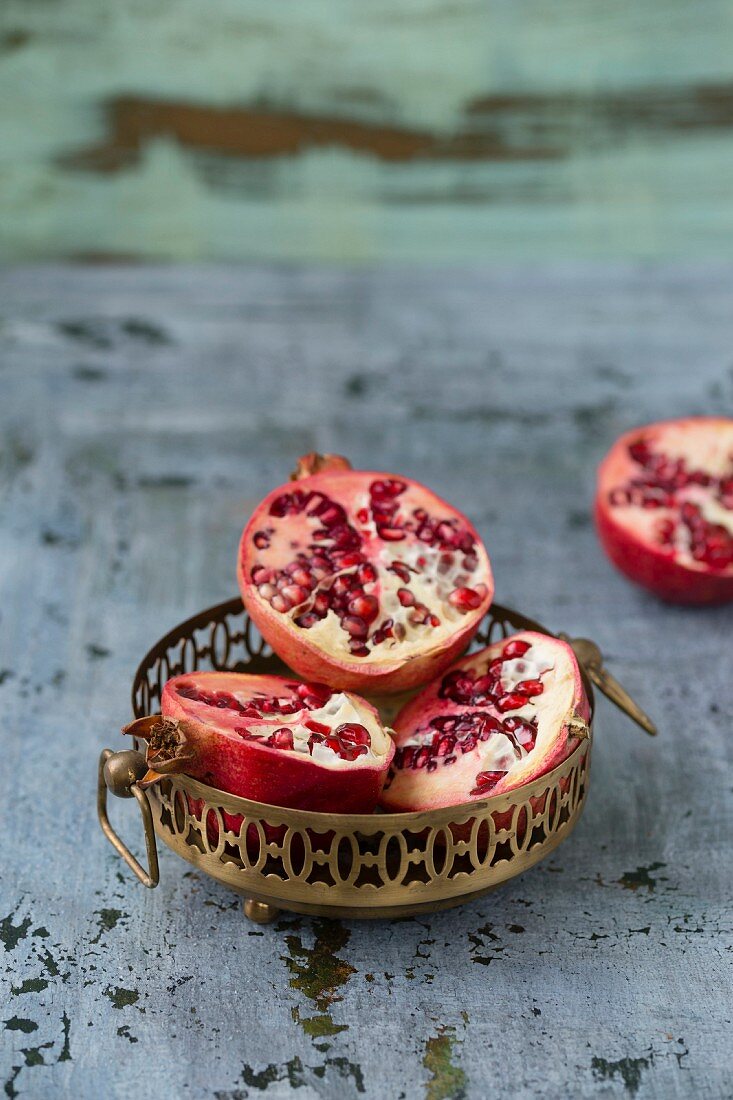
x: 341, y: 865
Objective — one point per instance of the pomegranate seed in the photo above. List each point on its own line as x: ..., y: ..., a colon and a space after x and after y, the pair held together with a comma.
x: 358, y: 649
x: 470, y: 563
x: 302, y: 577
x: 484, y: 685
x: 295, y: 593
x: 261, y: 575
x: 332, y: 515
x: 400, y: 571
x: 366, y: 607
x: 523, y: 733
x: 390, y: 487
x: 320, y: 603
x: 363, y: 515
x: 320, y: 691
x: 353, y: 733
x: 316, y: 727
x: 445, y: 745
x: 280, y: 603
x: 531, y: 687
x: 366, y: 574
x: 391, y: 534
x: 267, y: 591
x: 405, y: 597
x: 465, y: 599
x: 468, y: 744
x: 342, y: 584
x: 486, y: 781
x: 422, y: 757
x: 515, y: 648
x: 434, y: 620
x: 305, y: 622
x: 445, y: 563
x: 282, y: 738
x: 261, y: 540
x: 355, y: 626
x: 511, y: 701
x: 419, y: 615
x: 351, y: 557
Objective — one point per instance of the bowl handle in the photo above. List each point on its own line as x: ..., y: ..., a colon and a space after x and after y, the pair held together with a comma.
x: 591, y: 659
x: 119, y: 772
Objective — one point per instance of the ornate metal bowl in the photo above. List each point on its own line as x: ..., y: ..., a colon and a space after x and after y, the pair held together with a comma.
x: 338, y: 865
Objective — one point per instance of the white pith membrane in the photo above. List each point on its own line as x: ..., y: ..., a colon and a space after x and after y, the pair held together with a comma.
x: 449, y: 783
x: 434, y: 571
x: 341, y: 708
x: 704, y: 447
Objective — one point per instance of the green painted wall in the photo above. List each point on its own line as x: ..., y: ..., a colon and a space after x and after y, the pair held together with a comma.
x: 366, y: 129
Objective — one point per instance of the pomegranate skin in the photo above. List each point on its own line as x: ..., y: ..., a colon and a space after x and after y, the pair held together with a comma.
x: 627, y: 534
x: 390, y: 665
x: 440, y: 726
x: 222, y: 758
x: 657, y: 571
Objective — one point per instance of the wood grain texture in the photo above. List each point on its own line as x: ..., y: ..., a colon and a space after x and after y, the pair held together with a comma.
x: 438, y: 129
x: 143, y: 412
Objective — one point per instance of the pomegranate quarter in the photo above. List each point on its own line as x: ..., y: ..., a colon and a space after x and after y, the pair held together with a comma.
x: 664, y: 508
x: 365, y: 580
x: 271, y: 739
x: 497, y: 720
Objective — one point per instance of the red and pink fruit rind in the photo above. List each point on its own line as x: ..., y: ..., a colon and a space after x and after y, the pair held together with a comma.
x: 363, y: 580
x: 485, y: 727
x: 664, y: 508
x: 233, y: 727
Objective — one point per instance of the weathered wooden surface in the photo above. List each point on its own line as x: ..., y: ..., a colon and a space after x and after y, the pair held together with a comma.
x: 344, y: 130
x: 143, y: 411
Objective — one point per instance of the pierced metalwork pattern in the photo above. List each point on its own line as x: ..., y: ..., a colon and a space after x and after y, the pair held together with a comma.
x: 347, y: 865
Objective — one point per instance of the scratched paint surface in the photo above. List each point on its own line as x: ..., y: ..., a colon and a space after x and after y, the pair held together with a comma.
x: 143, y: 412
x: 343, y: 130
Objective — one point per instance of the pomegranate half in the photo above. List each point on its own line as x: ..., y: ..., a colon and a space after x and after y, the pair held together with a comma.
x: 664, y: 508
x: 365, y: 580
x: 270, y: 739
x: 498, y: 719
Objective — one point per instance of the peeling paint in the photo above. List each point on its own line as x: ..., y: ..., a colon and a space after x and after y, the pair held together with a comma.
x: 642, y: 878
x: 628, y: 1069
x: 447, y: 1081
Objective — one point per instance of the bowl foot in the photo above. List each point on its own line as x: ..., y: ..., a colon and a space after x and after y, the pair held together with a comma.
x: 259, y: 911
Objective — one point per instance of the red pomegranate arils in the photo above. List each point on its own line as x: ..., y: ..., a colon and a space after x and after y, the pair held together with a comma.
x: 684, y: 468
x: 282, y: 738
x: 333, y: 562
x: 486, y: 781
x: 227, y: 729
x: 530, y: 687
x: 464, y: 720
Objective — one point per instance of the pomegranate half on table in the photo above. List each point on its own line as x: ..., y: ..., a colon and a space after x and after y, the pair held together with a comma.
x: 664, y: 508
x: 365, y: 580
x: 270, y: 739
x: 498, y: 719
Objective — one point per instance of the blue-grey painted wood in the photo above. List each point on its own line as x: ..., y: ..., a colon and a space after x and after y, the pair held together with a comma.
x: 143, y: 412
x: 338, y: 130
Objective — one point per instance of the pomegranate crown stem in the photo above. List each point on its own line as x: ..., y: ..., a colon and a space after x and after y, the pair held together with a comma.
x: 315, y: 463
x: 167, y: 748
